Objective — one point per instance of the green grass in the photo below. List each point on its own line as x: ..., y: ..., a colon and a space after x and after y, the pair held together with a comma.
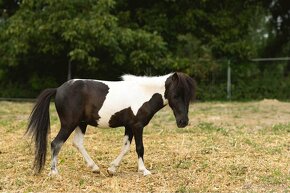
x: 211, y: 127
x: 281, y: 128
x: 228, y: 147
x: 275, y: 177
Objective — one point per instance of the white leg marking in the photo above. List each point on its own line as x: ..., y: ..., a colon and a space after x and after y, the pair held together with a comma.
x: 78, y: 142
x: 114, y: 164
x: 53, y: 168
x: 53, y: 171
x: 141, y: 167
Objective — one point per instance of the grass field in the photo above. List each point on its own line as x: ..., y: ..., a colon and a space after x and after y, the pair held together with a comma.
x: 228, y: 147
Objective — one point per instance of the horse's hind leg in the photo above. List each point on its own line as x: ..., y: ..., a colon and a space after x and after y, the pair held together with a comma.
x: 78, y: 142
x: 56, y: 145
x: 126, y: 147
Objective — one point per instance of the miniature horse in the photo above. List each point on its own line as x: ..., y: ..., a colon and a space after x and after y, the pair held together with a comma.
x: 131, y: 103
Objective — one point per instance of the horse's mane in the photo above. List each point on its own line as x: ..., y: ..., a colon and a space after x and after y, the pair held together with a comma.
x: 188, y: 84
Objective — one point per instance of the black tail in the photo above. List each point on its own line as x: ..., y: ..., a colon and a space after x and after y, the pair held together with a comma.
x: 39, y: 125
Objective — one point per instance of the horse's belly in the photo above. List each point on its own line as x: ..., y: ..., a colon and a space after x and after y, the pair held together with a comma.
x: 106, y: 112
x: 104, y: 120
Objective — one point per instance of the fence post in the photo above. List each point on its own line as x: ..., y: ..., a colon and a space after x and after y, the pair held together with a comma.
x: 69, y: 70
x: 229, y: 81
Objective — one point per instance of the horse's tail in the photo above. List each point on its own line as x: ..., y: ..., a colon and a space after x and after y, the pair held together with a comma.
x: 39, y: 126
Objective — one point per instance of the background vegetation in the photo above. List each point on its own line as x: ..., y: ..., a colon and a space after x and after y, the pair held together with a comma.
x: 103, y: 39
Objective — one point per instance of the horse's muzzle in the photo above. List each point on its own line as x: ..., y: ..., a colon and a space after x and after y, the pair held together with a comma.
x: 181, y: 123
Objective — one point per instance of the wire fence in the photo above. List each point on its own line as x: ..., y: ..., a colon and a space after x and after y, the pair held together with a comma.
x: 269, y: 78
x: 256, y: 78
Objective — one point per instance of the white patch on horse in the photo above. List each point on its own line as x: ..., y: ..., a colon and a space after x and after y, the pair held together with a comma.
x: 125, y: 149
x: 132, y: 93
x: 142, y: 168
x: 149, y: 82
x: 78, y: 142
x: 73, y: 80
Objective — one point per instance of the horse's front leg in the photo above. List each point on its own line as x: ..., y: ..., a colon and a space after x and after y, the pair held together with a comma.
x: 125, y: 149
x: 138, y: 134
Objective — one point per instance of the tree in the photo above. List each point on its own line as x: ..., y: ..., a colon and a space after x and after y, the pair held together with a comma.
x: 103, y: 39
x: 39, y: 40
x: 279, y: 17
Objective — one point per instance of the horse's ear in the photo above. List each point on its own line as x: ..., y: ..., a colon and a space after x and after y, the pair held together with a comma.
x: 175, y: 77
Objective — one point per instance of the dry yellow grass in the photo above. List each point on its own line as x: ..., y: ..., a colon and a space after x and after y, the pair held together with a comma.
x: 229, y: 147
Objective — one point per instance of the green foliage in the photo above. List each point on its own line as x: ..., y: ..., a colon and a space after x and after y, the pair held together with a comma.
x: 16, y: 90
x: 37, y: 83
x: 103, y: 39
x: 46, y: 35
x: 267, y: 81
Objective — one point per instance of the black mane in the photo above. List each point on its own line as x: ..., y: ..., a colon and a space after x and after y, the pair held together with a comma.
x: 187, y: 84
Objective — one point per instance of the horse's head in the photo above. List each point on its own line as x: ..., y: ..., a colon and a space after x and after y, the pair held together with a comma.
x: 179, y: 90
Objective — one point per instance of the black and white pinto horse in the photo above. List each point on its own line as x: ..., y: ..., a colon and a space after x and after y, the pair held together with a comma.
x: 131, y: 103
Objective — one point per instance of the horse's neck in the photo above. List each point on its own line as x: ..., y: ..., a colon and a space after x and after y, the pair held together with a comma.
x: 150, y: 89
x: 149, y: 85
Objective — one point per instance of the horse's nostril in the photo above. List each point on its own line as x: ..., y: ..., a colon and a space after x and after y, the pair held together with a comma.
x: 182, y: 122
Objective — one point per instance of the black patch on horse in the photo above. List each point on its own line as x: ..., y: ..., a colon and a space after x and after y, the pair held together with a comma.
x: 126, y: 116
x: 80, y: 101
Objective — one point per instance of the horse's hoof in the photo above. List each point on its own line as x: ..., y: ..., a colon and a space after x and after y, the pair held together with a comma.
x: 145, y: 172
x: 111, y: 171
x: 96, y: 171
x: 53, y: 173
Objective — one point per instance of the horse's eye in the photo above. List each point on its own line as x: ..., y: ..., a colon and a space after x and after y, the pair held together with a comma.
x: 175, y: 96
